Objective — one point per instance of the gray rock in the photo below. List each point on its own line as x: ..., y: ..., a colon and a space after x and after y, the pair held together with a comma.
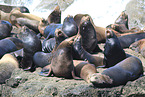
x: 136, y: 12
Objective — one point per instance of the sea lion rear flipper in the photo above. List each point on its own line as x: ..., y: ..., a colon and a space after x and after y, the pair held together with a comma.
x: 46, y: 71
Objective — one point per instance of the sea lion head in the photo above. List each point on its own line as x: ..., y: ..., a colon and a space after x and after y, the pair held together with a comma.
x: 24, y: 9
x: 99, y: 79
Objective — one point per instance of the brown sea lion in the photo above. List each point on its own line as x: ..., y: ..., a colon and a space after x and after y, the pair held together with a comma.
x: 5, y: 29
x: 9, y: 8
x: 16, y: 13
x: 62, y: 61
x: 113, y: 52
x: 7, y: 64
x: 55, y: 16
x: 100, y: 31
x: 88, y: 34
x: 139, y: 46
x: 84, y: 69
x: 52, y: 43
x: 127, y: 70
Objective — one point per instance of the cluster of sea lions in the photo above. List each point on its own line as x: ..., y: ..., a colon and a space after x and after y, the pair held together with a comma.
x: 71, y: 49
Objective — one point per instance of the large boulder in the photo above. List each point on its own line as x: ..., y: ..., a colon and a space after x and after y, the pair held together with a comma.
x: 136, y: 12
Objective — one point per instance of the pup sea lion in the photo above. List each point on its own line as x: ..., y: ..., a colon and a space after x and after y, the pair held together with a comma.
x: 9, y: 8
x: 7, y: 64
x: 88, y: 34
x: 62, y: 61
x: 139, y: 46
x: 127, y: 70
x: 113, y: 52
x: 69, y: 26
x: 32, y: 44
x: 55, y: 16
x: 5, y: 29
x: 127, y: 40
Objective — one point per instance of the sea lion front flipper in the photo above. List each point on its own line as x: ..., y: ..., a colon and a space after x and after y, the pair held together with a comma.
x: 74, y: 76
x: 46, y: 71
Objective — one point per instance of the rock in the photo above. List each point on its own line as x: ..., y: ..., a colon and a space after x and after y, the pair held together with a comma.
x: 136, y: 12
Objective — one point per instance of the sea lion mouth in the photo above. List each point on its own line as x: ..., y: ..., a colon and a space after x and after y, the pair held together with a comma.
x: 108, y: 33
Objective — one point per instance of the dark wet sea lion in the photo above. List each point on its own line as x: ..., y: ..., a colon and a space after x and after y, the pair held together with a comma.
x: 62, y: 61
x: 7, y: 64
x: 127, y: 40
x: 88, y: 34
x: 84, y: 69
x: 113, y: 52
x: 32, y: 44
x: 80, y: 53
x: 8, y: 8
x: 48, y: 45
x: 127, y: 70
x: 139, y: 46
x: 49, y: 31
x: 69, y: 26
x: 5, y: 29
x: 100, y: 31
x: 55, y: 16
x: 42, y: 59
x: 9, y: 45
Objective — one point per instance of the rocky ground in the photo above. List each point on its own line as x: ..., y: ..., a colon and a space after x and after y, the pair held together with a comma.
x: 27, y: 84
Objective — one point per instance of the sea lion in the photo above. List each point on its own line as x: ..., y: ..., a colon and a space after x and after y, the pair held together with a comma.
x: 15, y: 13
x: 32, y: 44
x: 52, y: 43
x: 139, y: 46
x: 31, y: 24
x: 113, y: 52
x: 127, y: 70
x: 80, y: 53
x: 5, y: 29
x: 127, y: 40
x: 9, y: 8
x: 100, y: 31
x: 49, y: 31
x: 69, y: 26
x: 10, y: 44
x: 84, y: 69
x: 88, y: 34
x: 55, y: 16
x: 7, y: 65
x: 42, y: 59
x: 62, y: 61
